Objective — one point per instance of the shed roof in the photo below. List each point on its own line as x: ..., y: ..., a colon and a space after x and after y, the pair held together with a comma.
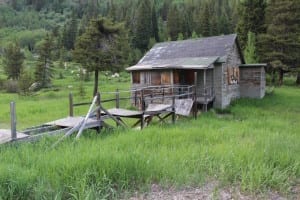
x: 176, y: 63
x: 168, y: 53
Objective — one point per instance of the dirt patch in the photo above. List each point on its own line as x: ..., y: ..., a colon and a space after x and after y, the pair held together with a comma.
x: 211, y: 190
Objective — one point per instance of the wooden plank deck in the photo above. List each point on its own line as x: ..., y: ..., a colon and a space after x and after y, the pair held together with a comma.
x: 74, y: 121
x: 5, y: 136
x: 119, y: 112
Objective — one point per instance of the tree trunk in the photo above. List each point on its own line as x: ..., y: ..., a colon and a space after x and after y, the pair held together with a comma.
x: 280, y: 81
x: 96, y: 83
x: 273, y: 77
x: 298, y: 78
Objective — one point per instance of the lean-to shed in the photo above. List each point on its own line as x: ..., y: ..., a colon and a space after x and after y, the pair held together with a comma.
x: 215, y: 65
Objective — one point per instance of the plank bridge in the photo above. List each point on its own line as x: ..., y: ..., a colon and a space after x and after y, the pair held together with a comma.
x: 132, y: 108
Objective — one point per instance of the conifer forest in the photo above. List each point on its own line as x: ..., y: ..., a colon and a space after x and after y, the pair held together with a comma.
x: 57, y: 30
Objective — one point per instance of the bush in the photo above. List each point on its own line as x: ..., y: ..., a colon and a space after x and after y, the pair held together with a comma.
x: 2, y: 82
x: 11, y: 86
x: 25, y: 82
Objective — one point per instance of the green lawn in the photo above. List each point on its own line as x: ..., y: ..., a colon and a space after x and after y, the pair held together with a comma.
x: 255, y: 145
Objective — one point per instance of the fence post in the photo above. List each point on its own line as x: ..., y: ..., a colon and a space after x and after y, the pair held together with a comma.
x: 71, y: 108
x: 117, y: 98
x: 13, y: 121
x: 98, y: 103
x: 135, y: 97
x: 173, y: 110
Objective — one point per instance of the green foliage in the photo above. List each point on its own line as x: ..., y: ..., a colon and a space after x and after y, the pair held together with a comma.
x: 194, y: 35
x: 180, y: 36
x: 143, y: 26
x: 25, y: 82
x: 205, y: 21
x: 250, y: 50
x: 44, y: 67
x: 280, y: 46
x: 13, y: 61
x: 96, y: 49
x: 252, y: 19
x: 174, y: 22
x: 70, y: 33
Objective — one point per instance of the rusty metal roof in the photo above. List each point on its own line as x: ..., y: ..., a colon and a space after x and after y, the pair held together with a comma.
x: 185, y: 52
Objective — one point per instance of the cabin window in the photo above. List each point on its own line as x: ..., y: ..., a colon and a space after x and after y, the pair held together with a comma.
x: 136, y: 77
x: 233, y: 75
x: 165, y: 78
x: 155, y: 78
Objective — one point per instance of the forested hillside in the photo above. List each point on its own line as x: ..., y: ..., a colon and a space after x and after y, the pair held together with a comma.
x: 260, y: 25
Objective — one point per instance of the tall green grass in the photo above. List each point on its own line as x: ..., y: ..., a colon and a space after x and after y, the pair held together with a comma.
x: 255, y: 146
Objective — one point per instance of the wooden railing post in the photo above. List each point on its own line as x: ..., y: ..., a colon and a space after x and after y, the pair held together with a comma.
x: 13, y: 120
x: 98, y: 103
x: 135, y: 97
x: 143, y: 107
x: 117, y: 98
x: 173, y: 110
x: 71, y: 107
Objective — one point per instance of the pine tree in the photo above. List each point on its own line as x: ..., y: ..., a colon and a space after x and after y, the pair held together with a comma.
x: 252, y: 18
x: 180, y: 37
x: 24, y: 83
x: 70, y: 33
x: 95, y: 48
x: 205, y: 21
x: 280, y: 46
x: 250, y: 50
x: 44, y: 68
x: 13, y: 61
x: 143, y: 27
x: 154, y: 24
x: 174, y: 23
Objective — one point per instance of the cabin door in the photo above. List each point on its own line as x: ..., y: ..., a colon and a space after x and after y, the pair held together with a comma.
x: 184, y: 77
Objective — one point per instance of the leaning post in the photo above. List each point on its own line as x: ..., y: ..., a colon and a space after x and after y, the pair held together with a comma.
x: 71, y: 108
x: 13, y: 120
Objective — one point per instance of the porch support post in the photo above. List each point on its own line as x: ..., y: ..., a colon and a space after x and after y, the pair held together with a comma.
x: 195, y: 94
x: 205, y: 91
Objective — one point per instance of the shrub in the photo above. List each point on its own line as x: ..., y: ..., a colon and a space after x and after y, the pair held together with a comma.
x: 11, y: 86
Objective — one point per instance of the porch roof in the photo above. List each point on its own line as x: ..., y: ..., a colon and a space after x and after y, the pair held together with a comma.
x: 176, y: 63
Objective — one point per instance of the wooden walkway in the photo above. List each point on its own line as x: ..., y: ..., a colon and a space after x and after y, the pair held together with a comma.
x: 70, y: 122
x: 5, y: 136
x: 150, y: 106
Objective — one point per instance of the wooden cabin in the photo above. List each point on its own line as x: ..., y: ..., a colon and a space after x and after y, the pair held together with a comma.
x: 215, y: 65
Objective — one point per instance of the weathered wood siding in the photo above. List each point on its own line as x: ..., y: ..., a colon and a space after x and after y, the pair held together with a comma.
x: 218, y: 85
x: 252, y: 82
x: 226, y: 91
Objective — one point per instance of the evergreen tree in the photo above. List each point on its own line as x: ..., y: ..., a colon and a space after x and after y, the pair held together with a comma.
x: 44, y: 68
x: 252, y: 18
x: 174, y: 23
x: 70, y: 33
x: 143, y: 27
x: 25, y: 82
x: 280, y: 46
x: 13, y: 61
x: 205, y: 21
x: 180, y: 37
x: 95, y: 48
x: 154, y: 24
x: 250, y: 50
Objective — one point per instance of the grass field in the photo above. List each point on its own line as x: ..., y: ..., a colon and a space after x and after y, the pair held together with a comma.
x: 254, y: 145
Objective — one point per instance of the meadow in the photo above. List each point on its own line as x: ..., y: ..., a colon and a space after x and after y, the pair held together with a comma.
x: 253, y: 145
